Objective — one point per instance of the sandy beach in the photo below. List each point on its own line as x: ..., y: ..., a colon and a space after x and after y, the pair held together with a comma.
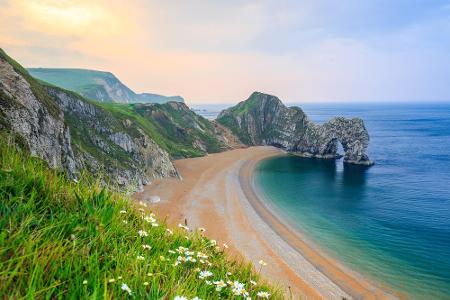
x: 216, y: 192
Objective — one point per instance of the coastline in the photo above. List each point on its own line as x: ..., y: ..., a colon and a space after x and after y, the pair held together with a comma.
x: 218, y: 193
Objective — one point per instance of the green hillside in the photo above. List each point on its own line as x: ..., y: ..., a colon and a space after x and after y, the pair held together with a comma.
x: 97, y: 85
x: 65, y: 240
x: 173, y: 126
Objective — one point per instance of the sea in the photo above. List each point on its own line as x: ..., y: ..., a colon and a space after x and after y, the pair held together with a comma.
x: 389, y: 222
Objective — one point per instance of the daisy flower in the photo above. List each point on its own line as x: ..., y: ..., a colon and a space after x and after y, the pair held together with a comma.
x: 142, y: 233
x: 125, y: 288
x: 264, y: 295
x: 262, y: 263
x: 205, y: 274
x: 219, y: 285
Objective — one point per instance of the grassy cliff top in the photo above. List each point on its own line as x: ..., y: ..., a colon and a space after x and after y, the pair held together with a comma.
x: 62, y: 239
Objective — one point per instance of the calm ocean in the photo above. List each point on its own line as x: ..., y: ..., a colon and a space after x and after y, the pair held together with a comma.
x: 390, y: 222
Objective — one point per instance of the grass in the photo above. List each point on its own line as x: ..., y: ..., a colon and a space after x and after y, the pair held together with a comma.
x: 173, y: 130
x: 61, y: 239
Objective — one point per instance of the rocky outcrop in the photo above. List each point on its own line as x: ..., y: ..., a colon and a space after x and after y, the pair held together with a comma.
x: 186, y: 133
x: 73, y: 134
x: 107, y: 144
x: 264, y: 120
x: 40, y: 126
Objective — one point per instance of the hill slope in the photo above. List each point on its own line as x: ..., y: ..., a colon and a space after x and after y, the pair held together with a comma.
x: 264, y: 120
x: 97, y: 85
x: 45, y: 118
x: 66, y: 240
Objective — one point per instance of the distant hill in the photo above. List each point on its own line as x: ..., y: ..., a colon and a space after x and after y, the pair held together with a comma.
x: 97, y: 85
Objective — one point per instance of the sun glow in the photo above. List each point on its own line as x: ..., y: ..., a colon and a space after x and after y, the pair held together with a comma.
x: 69, y: 17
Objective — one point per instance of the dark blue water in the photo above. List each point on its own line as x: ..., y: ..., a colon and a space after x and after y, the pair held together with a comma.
x: 390, y: 222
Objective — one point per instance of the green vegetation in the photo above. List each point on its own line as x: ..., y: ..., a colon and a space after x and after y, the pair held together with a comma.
x: 174, y: 127
x: 65, y: 240
x: 96, y: 85
x: 240, y: 111
x: 71, y: 79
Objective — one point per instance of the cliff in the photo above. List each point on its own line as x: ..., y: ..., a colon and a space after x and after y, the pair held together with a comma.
x: 97, y: 85
x: 175, y: 127
x: 73, y: 134
x: 264, y: 120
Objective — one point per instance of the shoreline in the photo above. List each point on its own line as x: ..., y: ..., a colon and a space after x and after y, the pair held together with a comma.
x: 217, y: 192
x: 352, y: 283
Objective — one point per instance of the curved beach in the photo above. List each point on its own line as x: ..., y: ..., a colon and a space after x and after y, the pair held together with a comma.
x: 217, y: 193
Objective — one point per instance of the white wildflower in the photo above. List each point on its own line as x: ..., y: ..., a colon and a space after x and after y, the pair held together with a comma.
x: 201, y: 255
x: 125, y: 288
x: 146, y: 247
x: 180, y: 298
x: 182, y: 226
x: 225, y: 245
x: 111, y: 280
x: 155, y: 224
x: 262, y: 263
x: 219, y: 285
x: 140, y: 257
x: 253, y: 282
x: 205, y: 274
x: 149, y: 219
x: 123, y: 211
x: 264, y: 295
x: 146, y: 283
x: 238, y: 288
x: 170, y: 232
x: 125, y: 222
x: 201, y: 229
x: 142, y: 233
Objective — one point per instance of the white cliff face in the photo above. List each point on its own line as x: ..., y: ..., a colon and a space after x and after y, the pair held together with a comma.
x: 264, y: 120
x: 44, y: 130
x: 120, y: 151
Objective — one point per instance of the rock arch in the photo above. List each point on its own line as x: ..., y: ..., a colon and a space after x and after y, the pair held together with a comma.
x: 351, y: 133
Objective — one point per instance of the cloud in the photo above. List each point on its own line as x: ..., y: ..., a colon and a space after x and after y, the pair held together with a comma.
x: 220, y: 51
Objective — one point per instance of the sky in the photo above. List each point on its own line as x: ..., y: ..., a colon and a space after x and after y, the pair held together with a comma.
x: 220, y: 51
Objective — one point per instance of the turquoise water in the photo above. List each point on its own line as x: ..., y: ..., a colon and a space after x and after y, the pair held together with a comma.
x: 390, y: 222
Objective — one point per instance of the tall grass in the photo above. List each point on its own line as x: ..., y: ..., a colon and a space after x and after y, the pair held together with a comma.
x: 65, y: 240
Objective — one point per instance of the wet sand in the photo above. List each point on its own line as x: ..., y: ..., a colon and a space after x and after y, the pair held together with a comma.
x: 217, y: 193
